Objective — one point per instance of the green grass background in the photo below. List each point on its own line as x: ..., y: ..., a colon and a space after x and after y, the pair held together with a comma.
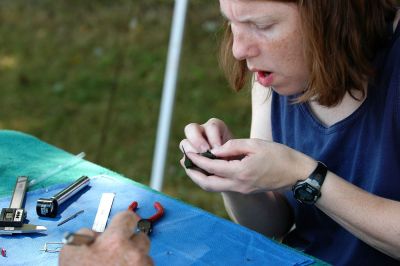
x: 88, y: 76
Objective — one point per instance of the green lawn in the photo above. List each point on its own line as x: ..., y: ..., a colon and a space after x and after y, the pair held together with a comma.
x: 87, y: 76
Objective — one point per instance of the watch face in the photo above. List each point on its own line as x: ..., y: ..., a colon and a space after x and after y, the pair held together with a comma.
x: 306, y: 193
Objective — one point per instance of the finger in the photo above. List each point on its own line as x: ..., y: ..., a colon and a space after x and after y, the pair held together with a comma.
x: 186, y: 146
x: 132, y: 257
x: 88, y: 232
x: 185, y: 161
x: 211, y: 183
x: 182, y: 162
x: 196, y: 136
x: 235, y: 148
x: 124, y: 224
x: 216, y: 167
x: 213, y: 132
x: 83, y: 236
x: 141, y: 241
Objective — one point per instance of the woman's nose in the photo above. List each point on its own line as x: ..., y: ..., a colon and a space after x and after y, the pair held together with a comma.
x: 244, y: 46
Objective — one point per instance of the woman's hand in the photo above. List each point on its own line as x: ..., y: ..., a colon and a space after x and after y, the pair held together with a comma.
x: 200, y: 138
x: 263, y: 166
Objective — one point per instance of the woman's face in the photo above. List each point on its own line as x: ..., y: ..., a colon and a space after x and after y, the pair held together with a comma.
x: 267, y: 35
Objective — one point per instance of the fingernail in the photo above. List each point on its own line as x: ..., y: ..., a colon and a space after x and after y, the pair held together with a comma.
x: 204, y: 147
x: 216, y: 148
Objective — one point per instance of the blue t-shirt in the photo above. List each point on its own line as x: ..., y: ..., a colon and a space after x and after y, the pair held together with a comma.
x: 364, y: 149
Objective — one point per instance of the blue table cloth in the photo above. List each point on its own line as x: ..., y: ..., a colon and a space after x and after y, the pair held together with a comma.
x: 185, y: 235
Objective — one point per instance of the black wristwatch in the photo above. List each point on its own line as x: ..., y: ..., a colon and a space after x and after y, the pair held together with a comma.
x: 309, y: 191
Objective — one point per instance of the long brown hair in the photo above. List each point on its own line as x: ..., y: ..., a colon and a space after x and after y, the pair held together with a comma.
x: 341, y: 39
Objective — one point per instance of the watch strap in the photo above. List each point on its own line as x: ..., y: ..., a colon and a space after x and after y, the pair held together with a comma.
x: 319, y: 173
x: 308, y: 191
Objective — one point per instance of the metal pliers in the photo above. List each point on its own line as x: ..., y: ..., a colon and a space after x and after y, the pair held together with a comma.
x: 146, y: 225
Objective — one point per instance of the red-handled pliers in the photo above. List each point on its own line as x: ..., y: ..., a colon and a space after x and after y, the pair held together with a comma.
x: 146, y: 225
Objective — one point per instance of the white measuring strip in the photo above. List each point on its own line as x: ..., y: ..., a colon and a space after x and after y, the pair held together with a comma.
x: 103, y: 212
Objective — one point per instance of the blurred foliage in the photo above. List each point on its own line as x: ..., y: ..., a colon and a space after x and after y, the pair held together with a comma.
x: 88, y: 76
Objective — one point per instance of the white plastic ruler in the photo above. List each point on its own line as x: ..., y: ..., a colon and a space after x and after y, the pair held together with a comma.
x: 103, y: 211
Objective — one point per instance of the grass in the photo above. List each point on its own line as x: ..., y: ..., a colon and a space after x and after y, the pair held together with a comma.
x: 88, y: 76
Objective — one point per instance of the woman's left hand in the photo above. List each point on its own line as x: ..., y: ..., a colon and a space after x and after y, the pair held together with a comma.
x: 262, y: 166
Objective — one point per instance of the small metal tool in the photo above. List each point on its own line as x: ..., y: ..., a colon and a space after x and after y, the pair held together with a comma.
x: 57, y: 247
x: 12, y: 218
x: 49, y: 207
x: 24, y: 229
x: 145, y: 225
x: 68, y: 239
x: 70, y: 218
x: 103, y: 211
x: 15, y: 214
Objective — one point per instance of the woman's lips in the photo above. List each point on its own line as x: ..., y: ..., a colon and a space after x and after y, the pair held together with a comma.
x: 265, y: 78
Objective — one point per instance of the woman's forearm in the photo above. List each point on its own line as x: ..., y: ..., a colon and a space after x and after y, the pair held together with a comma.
x: 373, y: 219
x: 267, y: 213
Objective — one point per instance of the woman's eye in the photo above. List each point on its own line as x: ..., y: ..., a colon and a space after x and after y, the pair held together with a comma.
x: 262, y: 27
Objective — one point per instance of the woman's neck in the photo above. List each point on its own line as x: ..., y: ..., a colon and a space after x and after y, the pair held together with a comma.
x: 329, y: 116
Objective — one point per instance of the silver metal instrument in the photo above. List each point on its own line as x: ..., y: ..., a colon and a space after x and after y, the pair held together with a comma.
x: 12, y: 218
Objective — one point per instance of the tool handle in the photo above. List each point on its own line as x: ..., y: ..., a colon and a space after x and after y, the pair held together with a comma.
x: 71, y: 190
x: 159, y: 213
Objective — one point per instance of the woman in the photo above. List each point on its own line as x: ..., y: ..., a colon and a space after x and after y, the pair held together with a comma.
x: 321, y: 170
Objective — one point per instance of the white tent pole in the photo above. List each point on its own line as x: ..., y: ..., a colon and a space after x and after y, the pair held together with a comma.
x: 168, y: 95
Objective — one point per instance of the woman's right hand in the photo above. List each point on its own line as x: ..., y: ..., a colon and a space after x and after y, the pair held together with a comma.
x: 201, y: 138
